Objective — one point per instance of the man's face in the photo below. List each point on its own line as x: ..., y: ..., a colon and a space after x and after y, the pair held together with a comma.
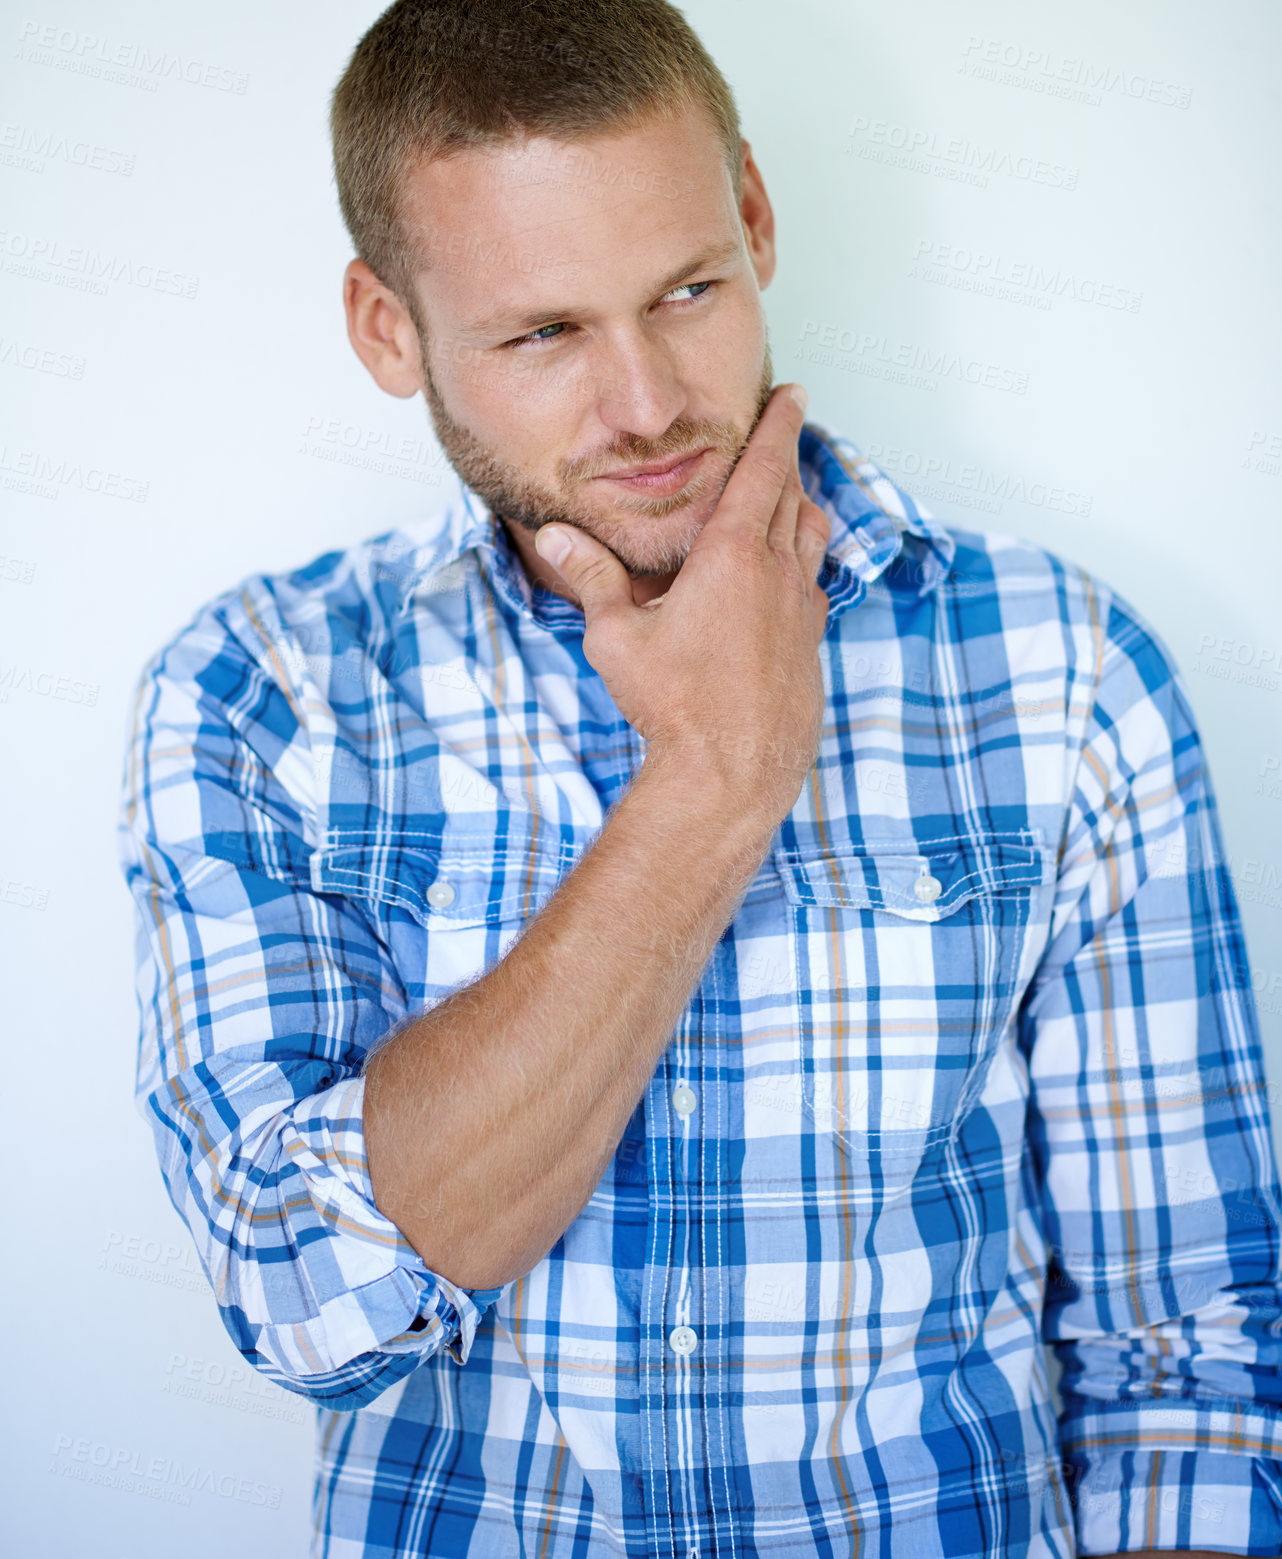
x: 557, y: 346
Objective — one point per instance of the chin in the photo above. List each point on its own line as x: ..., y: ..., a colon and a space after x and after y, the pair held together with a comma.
x: 666, y: 557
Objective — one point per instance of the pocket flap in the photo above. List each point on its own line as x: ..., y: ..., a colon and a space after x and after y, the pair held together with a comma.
x: 485, y: 881
x: 917, y: 879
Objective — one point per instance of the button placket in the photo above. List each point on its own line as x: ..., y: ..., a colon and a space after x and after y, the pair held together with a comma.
x: 713, y: 1352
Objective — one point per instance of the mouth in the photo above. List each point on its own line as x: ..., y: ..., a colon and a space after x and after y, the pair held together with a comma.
x: 662, y: 476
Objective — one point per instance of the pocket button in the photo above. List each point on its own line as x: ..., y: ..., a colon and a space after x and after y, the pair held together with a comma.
x: 927, y: 889
x: 440, y: 894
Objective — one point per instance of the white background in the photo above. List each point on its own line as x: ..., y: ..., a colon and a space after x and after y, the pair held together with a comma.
x: 252, y: 439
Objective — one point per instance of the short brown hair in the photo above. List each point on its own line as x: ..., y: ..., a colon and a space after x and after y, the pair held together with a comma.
x: 432, y: 77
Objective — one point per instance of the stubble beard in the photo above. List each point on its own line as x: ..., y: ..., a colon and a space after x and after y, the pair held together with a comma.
x: 644, y: 552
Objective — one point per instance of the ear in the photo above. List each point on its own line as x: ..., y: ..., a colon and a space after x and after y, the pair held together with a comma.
x: 758, y: 220
x: 381, y: 332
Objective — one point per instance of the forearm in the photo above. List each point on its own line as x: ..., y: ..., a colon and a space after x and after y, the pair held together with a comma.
x: 490, y: 1120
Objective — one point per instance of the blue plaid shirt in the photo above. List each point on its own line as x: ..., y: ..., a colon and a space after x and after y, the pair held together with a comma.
x: 975, y: 1066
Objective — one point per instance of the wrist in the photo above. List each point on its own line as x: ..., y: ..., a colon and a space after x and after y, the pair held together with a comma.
x: 698, y: 791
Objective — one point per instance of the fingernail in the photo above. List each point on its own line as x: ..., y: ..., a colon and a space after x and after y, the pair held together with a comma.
x: 799, y: 395
x: 553, y: 544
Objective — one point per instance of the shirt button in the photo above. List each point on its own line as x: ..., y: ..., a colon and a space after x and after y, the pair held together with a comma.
x: 683, y: 1099
x: 928, y: 889
x: 440, y: 894
x: 683, y: 1340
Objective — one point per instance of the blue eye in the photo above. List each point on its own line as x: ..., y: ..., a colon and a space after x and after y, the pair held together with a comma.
x: 535, y: 337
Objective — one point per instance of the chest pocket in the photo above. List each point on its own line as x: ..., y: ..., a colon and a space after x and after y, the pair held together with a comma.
x: 907, y: 961
x: 447, y: 904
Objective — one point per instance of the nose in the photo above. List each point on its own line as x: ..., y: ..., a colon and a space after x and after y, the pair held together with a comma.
x: 638, y: 388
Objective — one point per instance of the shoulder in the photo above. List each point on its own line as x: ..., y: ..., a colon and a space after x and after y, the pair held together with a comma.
x: 1048, y: 607
x: 291, y: 621
x: 1028, y: 584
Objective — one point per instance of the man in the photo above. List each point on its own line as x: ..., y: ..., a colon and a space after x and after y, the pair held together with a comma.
x: 650, y: 1038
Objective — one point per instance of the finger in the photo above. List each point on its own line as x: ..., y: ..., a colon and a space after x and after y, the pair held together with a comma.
x: 814, y: 534
x: 782, y: 530
x: 590, y: 569
x: 820, y: 604
x: 748, y: 502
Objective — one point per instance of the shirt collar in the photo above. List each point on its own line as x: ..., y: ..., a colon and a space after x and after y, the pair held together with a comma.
x: 873, y: 522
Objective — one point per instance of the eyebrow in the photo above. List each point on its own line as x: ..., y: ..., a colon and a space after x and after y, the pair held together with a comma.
x: 506, y: 321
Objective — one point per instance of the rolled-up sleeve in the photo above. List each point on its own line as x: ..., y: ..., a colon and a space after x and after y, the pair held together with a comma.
x: 1149, y: 1127
x: 259, y: 1000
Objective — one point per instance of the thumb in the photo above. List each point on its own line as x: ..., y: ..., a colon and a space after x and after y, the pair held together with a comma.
x: 593, y: 572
